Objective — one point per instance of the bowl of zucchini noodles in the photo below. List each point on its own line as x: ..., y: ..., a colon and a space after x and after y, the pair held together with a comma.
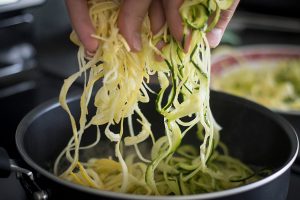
x: 266, y: 74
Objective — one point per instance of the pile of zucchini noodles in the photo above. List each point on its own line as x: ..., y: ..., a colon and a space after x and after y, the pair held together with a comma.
x: 275, y: 84
x: 172, y: 168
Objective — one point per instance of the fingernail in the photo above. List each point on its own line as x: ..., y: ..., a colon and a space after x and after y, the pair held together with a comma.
x: 136, y: 43
x: 89, y: 55
x: 214, y: 37
x: 159, y: 45
x: 187, y: 42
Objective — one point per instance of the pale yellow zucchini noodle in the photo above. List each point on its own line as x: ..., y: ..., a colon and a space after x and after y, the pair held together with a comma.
x: 172, y: 167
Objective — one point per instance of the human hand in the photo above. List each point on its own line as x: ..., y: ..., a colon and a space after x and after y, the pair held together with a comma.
x: 131, y: 16
x: 82, y: 24
x: 215, y: 35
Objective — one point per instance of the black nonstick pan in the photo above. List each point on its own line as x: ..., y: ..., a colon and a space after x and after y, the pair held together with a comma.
x: 254, y: 134
x: 262, y: 57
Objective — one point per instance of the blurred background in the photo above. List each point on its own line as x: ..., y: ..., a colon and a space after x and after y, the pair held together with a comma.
x: 36, y: 55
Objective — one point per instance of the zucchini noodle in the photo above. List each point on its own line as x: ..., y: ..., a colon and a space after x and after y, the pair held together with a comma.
x: 171, y: 168
x: 273, y: 84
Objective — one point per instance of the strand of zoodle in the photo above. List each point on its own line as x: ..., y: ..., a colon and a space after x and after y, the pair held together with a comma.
x: 124, y: 76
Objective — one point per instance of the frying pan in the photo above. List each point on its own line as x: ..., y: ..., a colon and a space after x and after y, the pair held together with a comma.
x: 254, y: 134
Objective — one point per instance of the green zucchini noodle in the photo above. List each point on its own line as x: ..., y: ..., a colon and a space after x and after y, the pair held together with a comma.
x: 275, y: 84
x: 183, y: 101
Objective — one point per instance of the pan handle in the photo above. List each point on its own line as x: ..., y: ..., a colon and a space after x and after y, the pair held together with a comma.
x: 25, y: 176
x: 4, y: 164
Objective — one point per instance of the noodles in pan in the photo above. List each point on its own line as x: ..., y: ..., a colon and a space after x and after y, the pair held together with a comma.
x: 172, y: 167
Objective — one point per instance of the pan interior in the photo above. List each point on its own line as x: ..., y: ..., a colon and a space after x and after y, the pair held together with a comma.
x: 252, y: 133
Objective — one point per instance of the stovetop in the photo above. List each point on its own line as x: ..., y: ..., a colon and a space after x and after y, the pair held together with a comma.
x: 15, y: 102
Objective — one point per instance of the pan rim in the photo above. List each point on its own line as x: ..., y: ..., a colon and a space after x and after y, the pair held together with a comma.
x: 53, y: 103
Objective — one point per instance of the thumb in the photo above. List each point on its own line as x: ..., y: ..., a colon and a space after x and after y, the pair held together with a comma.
x: 215, y: 35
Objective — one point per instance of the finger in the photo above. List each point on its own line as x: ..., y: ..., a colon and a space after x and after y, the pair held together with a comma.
x: 156, y: 15
x: 175, y: 23
x: 81, y: 23
x: 215, y: 35
x: 173, y: 17
x: 131, y: 17
x: 160, y: 44
x: 157, y: 21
